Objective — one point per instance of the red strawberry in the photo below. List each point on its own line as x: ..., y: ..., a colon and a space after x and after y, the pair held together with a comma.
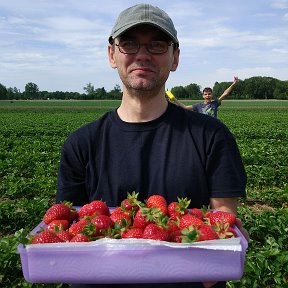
x: 96, y: 207
x: 73, y: 215
x: 197, y: 212
x: 58, y: 212
x: 225, y: 231
x: 206, y: 232
x: 131, y: 202
x: 176, y: 236
x: 65, y: 236
x: 155, y: 232
x: 189, y: 220
x: 179, y: 208
x: 231, y: 233
x: 142, y: 218
x: 45, y: 236
x: 58, y: 225
x: 116, y: 210
x: 102, y: 223
x: 221, y: 217
x: 80, y: 238
x: 173, y: 210
x: 122, y: 218
x: 133, y: 233
x: 78, y: 227
x: 172, y: 225
x: 159, y: 202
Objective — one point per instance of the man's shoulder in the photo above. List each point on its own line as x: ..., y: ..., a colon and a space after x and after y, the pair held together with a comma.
x: 198, y: 119
x: 96, y: 123
x: 198, y: 105
x: 217, y: 101
x: 89, y: 129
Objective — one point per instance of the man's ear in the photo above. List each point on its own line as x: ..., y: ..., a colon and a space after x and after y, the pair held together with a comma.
x: 175, y: 63
x: 111, y: 55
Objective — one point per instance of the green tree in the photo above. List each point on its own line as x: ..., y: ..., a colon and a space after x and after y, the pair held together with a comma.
x: 236, y: 93
x: 44, y: 95
x: 218, y: 88
x: 3, y: 92
x: 14, y: 93
x: 90, y: 91
x: 193, y: 91
x: 31, y: 91
x: 115, y: 93
x: 89, y: 88
x: 100, y: 93
x: 281, y: 90
x: 266, y: 87
x: 179, y: 92
x: 57, y: 95
x: 260, y: 87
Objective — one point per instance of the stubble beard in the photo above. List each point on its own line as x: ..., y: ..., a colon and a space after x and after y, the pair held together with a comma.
x: 145, y: 86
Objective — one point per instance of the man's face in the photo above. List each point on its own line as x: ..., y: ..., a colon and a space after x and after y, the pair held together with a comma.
x: 207, y: 96
x: 143, y: 71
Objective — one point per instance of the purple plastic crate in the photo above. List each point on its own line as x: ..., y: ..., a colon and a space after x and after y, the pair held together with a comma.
x: 139, y: 261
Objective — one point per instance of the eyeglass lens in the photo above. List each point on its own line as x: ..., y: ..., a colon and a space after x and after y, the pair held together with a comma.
x: 153, y: 47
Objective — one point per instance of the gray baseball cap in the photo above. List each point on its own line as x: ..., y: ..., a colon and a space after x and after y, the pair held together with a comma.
x: 144, y: 14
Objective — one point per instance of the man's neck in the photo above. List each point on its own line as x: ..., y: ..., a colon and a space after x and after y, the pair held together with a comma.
x: 142, y: 108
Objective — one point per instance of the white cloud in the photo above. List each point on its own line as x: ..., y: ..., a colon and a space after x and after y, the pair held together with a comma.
x: 265, y: 15
x: 62, y: 45
x: 281, y: 4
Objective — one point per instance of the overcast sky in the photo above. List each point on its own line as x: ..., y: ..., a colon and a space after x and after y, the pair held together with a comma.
x: 62, y: 44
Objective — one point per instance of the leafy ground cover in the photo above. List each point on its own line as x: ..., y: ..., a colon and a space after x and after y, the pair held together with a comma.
x: 30, y: 140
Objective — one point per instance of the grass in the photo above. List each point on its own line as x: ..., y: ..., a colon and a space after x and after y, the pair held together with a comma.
x: 32, y: 132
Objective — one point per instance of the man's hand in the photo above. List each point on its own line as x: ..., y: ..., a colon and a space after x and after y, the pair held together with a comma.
x: 242, y: 229
x: 208, y: 284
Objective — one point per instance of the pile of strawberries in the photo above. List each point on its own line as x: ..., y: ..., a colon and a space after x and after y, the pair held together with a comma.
x: 155, y: 219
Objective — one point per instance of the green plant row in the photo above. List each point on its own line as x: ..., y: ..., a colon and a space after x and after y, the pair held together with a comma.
x: 30, y: 143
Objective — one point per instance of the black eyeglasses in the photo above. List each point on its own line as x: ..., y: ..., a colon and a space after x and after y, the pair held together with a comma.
x: 132, y: 46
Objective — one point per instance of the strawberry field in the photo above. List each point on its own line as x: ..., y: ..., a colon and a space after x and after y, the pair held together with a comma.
x: 32, y: 132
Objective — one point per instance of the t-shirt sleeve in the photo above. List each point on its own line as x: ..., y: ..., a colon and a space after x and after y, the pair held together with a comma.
x: 71, y: 177
x: 196, y: 108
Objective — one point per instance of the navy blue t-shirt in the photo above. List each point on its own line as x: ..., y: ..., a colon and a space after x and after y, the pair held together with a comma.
x: 180, y: 154
x: 208, y: 109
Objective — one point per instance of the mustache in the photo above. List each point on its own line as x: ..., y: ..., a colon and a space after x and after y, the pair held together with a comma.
x: 142, y: 66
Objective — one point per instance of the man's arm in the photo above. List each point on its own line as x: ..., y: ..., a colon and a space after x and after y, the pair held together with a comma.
x: 228, y: 90
x: 71, y: 185
x: 179, y: 103
x: 172, y: 98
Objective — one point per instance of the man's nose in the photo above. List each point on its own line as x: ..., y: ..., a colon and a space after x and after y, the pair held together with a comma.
x: 143, y: 49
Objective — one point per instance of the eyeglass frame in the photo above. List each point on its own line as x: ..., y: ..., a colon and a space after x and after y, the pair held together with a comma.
x: 146, y: 46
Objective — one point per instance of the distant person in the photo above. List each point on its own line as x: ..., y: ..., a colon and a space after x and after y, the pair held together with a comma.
x: 209, y: 107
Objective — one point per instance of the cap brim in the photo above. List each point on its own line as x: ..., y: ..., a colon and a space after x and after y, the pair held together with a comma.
x: 132, y: 25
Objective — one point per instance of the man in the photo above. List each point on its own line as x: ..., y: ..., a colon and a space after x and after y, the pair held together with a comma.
x: 136, y: 147
x: 209, y: 107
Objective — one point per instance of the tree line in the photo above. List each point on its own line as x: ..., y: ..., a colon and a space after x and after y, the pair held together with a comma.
x: 257, y: 87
